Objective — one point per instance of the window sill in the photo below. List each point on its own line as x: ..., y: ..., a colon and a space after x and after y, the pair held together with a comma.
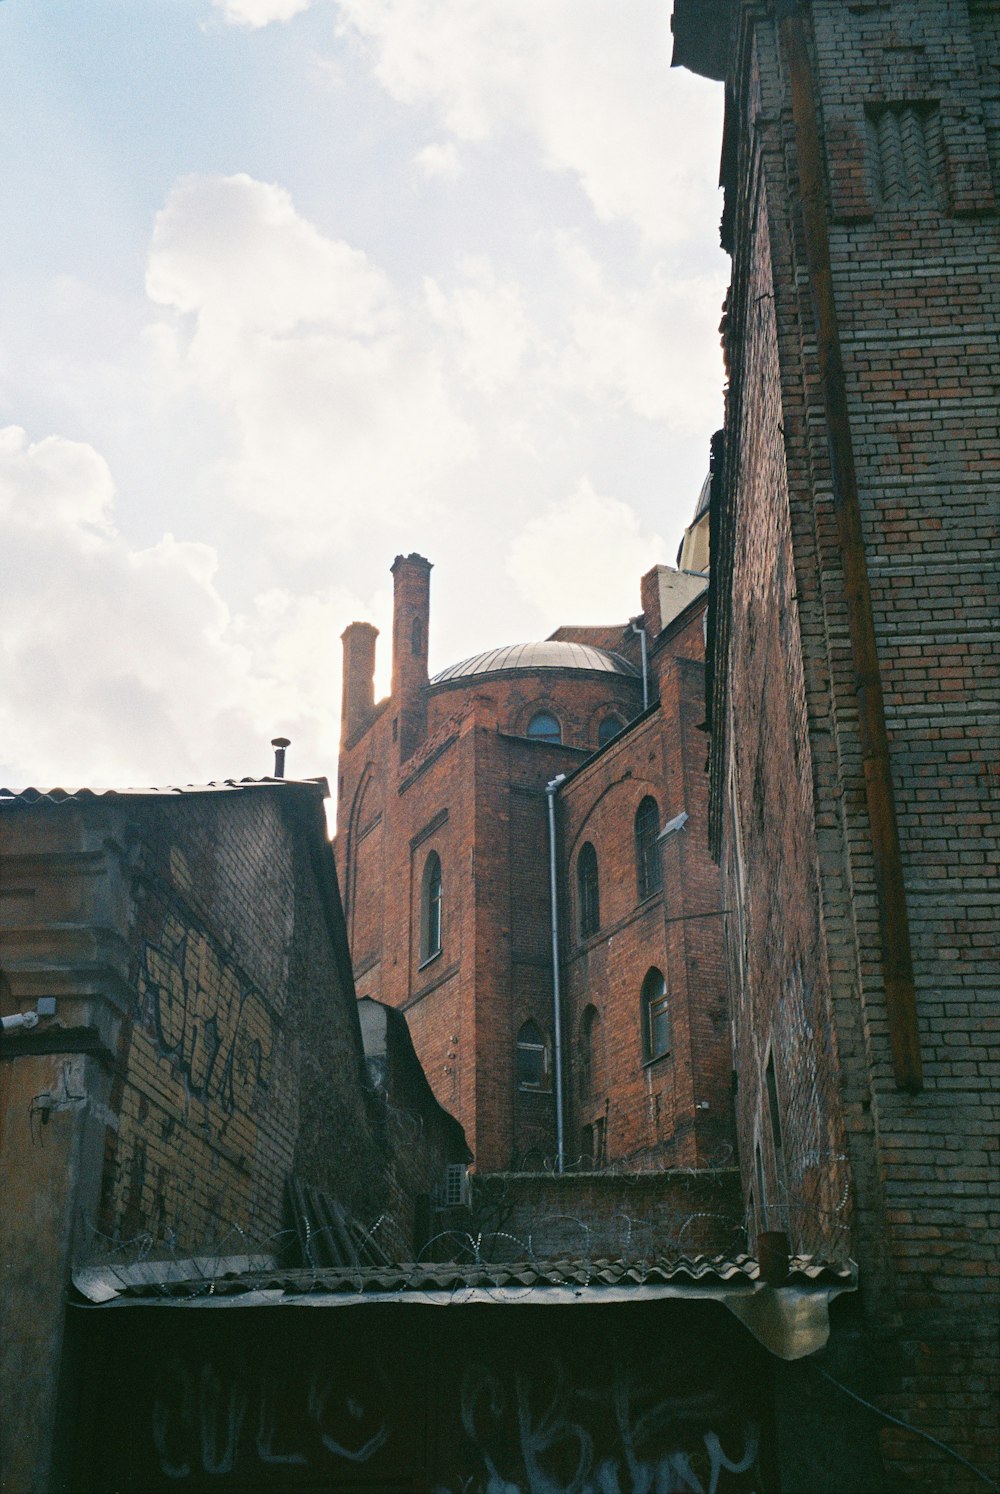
x: 431, y: 958
x: 648, y: 1063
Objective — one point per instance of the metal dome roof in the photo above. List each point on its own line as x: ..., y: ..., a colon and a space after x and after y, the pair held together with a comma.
x: 551, y: 654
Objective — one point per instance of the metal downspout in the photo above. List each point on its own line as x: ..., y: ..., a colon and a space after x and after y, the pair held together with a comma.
x: 551, y: 789
x: 640, y: 628
x: 897, y: 960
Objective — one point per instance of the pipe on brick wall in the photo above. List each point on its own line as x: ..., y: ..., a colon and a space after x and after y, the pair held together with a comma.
x: 640, y: 628
x: 551, y: 789
x: 897, y: 959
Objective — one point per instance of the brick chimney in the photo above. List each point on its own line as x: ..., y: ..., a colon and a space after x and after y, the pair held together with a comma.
x: 411, y: 605
x: 358, y: 698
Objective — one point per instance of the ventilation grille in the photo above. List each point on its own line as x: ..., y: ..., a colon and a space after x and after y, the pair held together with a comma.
x: 906, y: 152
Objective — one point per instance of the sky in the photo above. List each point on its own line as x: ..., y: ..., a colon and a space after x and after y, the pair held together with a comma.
x: 289, y: 287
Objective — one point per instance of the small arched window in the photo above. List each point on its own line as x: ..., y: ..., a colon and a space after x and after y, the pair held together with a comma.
x: 430, y: 908
x: 532, y: 1057
x: 649, y: 875
x: 417, y: 636
x: 609, y: 727
x: 587, y: 1053
x: 655, y: 1015
x: 588, y: 891
x: 544, y: 727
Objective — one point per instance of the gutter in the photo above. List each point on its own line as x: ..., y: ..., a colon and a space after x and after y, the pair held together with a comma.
x: 551, y: 789
x: 640, y: 628
x: 897, y: 959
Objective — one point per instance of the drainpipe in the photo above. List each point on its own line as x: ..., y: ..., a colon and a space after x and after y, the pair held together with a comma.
x: 639, y: 628
x: 551, y: 789
x: 897, y: 960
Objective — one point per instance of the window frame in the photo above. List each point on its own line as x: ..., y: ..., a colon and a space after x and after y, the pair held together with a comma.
x: 588, y: 891
x: 541, y: 713
x: 655, y: 1000
x: 431, y: 910
x: 646, y: 837
x: 532, y: 1039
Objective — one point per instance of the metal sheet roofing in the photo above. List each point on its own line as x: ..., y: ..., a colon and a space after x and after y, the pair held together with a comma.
x: 84, y: 795
x: 549, y: 654
x: 791, y: 1320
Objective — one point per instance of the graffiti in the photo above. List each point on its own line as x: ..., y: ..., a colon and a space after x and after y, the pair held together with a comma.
x: 204, y: 1016
x: 520, y: 1432
x: 531, y: 1434
x: 213, y: 1418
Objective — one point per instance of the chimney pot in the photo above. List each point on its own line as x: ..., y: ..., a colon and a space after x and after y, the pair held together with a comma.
x: 279, y: 744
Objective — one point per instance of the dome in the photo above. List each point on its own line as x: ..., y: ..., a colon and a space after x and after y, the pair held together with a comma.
x: 551, y: 654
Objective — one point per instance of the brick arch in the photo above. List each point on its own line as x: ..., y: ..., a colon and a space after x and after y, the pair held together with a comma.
x: 601, y: 713
x: 524, y: 713
x: 643, y: 786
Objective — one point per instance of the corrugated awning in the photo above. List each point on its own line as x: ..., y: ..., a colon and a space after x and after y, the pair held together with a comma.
x: 791, y: 1320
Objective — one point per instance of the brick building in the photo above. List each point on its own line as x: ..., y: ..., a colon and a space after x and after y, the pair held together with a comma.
x: 852, y: 709
x: 197, y: 1087
x: 574, y: 765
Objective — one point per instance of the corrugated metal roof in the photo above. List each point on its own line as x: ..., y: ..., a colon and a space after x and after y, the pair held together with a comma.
x: 84, y: 795
x: 549, y: 654
x: 791, y: 1321
x: 741, y: 1272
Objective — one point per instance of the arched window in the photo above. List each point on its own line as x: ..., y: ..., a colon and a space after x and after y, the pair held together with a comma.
x: 588, y: 891
x: 532, y: 1057
x: 647, y: 848
x: 587, y: 1056
x: 430, y: 908
x: 609, y: 727
x: 655, y: 1015
x: 417, y: 636
x: 544, y: 727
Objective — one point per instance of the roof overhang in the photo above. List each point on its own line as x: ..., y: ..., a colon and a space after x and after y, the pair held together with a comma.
x: 791, y: 1321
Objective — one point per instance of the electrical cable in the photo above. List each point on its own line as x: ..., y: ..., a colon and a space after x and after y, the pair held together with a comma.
x: 897, y: 1421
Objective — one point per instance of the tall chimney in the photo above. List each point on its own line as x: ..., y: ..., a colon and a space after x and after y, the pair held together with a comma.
x: 358, y: 697
x: 411, y: 606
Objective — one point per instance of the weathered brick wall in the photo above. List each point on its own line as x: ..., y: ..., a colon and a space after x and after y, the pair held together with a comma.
x: 608, y: 1216
x: 240, y: 1062
x: 473, y: 792
x: 907, y: 98
x: 675, y: 1109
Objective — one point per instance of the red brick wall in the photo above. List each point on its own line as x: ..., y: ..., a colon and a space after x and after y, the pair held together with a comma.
x: 674, y: 1110
x: 474, y: 791
x: 915, y: 268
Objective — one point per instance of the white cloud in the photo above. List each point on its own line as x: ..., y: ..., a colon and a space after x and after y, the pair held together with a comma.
x: 486, y: 325
x: 593, y: 88
x: 440, y: 159
x: 124, y: 665
x: 581, y: 560
x: 651, y: 348
x: 256, y: 13
x: 338, y: 401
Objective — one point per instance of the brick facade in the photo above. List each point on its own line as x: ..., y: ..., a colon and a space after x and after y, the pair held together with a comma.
x: 472, y: 793
x: 205, y: 1054
x: 892, y: 379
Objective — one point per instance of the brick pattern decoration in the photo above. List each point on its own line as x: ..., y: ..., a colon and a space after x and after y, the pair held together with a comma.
x: 831, y: 1150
